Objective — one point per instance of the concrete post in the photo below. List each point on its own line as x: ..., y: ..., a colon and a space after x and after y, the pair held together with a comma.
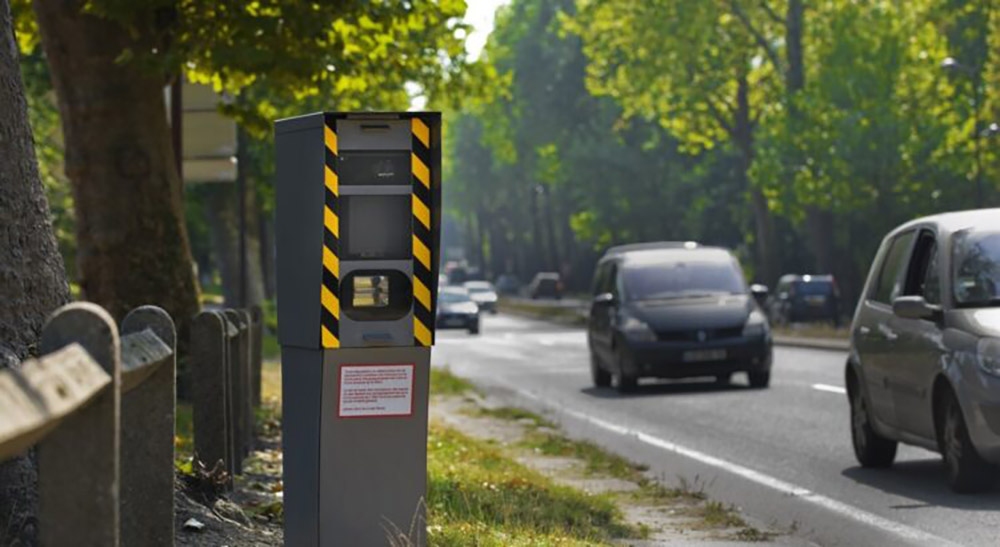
x: 210, y: 387
x: 78, y: 462
x: 246, y: 389
x: 236, y: 382
x: 147, y: 420
x: 256, y: 351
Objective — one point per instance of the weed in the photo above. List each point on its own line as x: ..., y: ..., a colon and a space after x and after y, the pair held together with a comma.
x: 443, y: 382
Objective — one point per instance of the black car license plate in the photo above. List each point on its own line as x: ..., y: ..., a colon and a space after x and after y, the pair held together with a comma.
x: 702, y: 355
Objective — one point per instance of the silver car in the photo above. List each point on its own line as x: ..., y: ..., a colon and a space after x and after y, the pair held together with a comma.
x: 924, y: 365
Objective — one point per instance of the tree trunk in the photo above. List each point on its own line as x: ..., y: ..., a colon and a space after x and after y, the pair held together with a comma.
x: 223, y: 221
x: 132, y: 243
x: 766, y: 255
x: 32, y: 278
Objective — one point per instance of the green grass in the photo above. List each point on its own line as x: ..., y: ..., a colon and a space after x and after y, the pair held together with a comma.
x: 542, y: 311
x: 443, y: 382
x: 184, y: 432
x: 478, y: 496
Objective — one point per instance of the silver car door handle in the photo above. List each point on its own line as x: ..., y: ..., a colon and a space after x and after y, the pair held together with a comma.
x: 864, y: 330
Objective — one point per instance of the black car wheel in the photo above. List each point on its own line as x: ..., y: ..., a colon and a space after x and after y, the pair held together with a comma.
x: 870, y: 448
x: 474, y: 328
x: 967, y: 471
x: 601, y: 377
x: 759, y: 379
x: 624, y: 380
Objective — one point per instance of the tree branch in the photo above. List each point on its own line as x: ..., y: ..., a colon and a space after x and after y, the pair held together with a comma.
x: 771, y: 13
x: 757, y: 36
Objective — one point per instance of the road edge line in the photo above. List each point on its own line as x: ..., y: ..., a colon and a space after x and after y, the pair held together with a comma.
x: 901, y: 530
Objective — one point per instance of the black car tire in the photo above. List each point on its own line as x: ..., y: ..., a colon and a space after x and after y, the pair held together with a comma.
x: 624, y: 381
x: 870, y: 448
x: 474, y: 328
x: 967, y: 471
x: 601, y: 377
x: 759, y: 380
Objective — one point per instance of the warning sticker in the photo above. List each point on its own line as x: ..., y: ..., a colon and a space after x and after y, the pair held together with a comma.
x: 376, y: 390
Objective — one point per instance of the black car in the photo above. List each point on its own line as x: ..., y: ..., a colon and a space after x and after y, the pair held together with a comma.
x: 546, y: 285
x: 456, y: 310
x: 802, y: 298
x: 672, y: 311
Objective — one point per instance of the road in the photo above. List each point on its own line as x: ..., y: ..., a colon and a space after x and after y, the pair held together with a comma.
x: 783, y: 455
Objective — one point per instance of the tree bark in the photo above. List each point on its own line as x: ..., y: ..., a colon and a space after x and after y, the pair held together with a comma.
x: 132, y: 243
x: 223, y: 224
x: 32, y: 277
x: 766, y: 246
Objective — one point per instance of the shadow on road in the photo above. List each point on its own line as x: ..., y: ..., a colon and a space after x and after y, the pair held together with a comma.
x: 922, y: 481
x: 679, y: 387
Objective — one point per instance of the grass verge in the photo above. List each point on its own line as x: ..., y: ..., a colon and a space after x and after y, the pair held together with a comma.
x: 540, y: 310
x: 543, y: 439
x: 479, y: 496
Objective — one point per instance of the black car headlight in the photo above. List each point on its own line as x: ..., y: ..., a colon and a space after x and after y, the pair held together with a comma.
x: 637, y: 330
x: 988, y: 355
x: 756, y: 325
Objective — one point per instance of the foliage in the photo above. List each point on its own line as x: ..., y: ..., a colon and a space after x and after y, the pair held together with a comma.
x: 662, y: 120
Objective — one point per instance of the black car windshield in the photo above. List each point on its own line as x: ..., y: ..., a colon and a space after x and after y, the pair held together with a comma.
x: 659, y: 280
x: 813, y: 287
x: 976, y: 262
x: 452, y: 297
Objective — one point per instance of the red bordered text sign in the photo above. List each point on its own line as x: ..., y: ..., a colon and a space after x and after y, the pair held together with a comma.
x: 375, y: 390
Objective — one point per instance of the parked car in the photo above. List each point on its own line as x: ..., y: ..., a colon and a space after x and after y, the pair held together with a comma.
x: 483, y: 294
x: 674, y: 311
x: 456, y: 310
x: 546, y: 285
x: 924, y: 365
x: 508, y: 284
x: 801, y: 298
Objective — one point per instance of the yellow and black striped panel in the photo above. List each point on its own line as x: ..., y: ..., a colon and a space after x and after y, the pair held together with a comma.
x: 330, y: 291
x: 420, y: 159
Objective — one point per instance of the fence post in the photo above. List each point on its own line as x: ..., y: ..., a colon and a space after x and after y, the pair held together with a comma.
x: 78, y: 462
x: 247, y: 390
x: 147, y: 421
x: 237, y: 382
x: 256, y: 351
x: 210, y: 388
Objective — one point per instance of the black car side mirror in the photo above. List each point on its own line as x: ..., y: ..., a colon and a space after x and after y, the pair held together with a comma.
x: 759, y: 293
x: 914, y: 307
x: 604, y: 299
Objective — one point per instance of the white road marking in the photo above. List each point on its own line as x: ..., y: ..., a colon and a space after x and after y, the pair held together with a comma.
x: 860, y: 515
x: 829, y: 388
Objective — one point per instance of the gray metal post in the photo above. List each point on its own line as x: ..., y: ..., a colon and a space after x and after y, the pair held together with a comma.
x: 78, y: 463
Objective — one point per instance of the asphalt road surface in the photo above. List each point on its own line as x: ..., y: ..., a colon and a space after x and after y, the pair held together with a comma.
x: 783, y: 454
